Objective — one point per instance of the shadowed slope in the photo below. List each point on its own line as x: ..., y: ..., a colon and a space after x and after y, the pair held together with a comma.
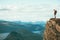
x: 23, y: 34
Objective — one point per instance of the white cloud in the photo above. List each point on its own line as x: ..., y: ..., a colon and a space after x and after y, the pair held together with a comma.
x: 28, y: 12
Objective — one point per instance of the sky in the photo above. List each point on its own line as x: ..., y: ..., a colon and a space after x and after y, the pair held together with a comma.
x: 28, y: 10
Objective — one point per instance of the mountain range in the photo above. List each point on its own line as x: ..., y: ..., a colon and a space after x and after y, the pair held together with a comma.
x: 35, y: 28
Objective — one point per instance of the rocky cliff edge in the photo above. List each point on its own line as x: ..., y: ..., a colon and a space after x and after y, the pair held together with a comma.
x: 52, y: 30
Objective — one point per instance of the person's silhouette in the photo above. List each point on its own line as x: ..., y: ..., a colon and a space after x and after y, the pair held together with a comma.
x: 55, y: 12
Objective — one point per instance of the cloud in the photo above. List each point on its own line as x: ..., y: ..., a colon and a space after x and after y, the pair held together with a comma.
x: 4, y: 9
x: 7, y: 7
x: 27, y: 12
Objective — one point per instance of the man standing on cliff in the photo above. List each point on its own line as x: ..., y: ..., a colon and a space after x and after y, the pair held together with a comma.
x: 55, y: 12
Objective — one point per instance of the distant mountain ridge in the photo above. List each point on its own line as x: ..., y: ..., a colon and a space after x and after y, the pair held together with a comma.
x: 8, y: 26
x: 35, y: 29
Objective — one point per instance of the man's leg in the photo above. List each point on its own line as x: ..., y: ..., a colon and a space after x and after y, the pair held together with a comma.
x: 55, y: 16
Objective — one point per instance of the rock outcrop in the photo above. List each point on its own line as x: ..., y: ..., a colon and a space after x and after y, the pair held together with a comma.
x: 52, y: 30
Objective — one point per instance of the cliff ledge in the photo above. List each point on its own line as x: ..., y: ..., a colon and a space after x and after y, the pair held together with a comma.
x: 52, y: 30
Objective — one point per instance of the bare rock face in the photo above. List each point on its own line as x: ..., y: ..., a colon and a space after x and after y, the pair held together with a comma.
x: 52, y: 30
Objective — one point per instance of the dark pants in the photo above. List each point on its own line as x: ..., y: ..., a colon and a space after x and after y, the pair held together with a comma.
x: 54, y: 16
